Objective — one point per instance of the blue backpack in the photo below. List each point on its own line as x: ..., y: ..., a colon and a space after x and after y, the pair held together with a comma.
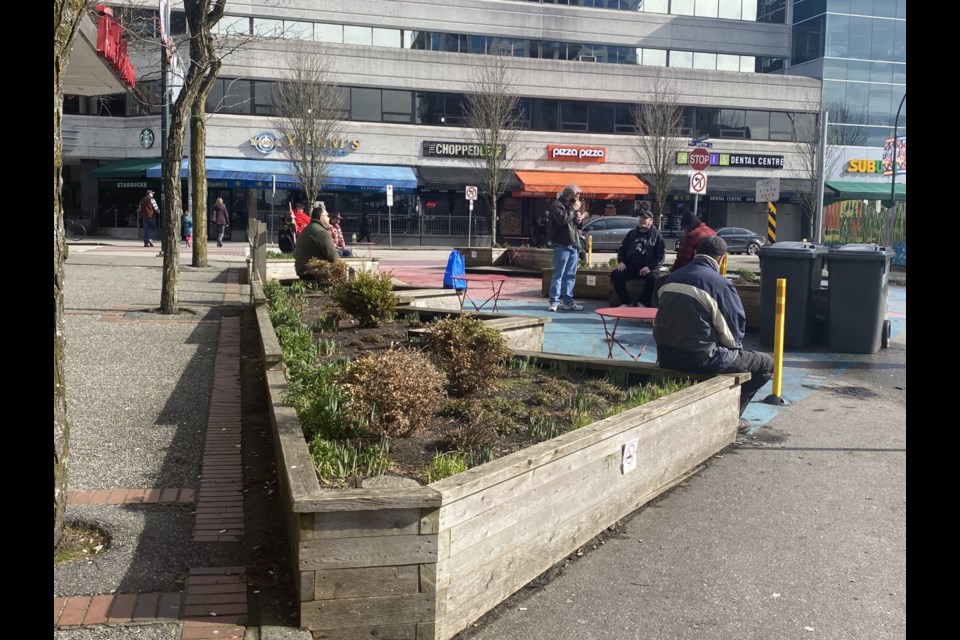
x: 455, y: 267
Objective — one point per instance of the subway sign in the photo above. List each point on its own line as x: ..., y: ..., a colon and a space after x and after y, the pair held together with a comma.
x: 864, y: 166
x: 433, y: 149
x: 750, y: 161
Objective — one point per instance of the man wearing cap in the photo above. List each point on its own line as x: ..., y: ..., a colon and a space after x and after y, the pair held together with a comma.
x: 639, y: 257
x: 148, y: 212
x: 314, y: 242
x: 701, y: 323
x: 337, y: 233
x: 564, y: 215
x: 695, y: 231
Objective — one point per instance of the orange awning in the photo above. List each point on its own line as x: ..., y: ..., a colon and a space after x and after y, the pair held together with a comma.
x: 594, y: 185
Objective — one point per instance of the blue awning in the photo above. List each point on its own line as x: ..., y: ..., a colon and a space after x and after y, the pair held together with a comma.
x: 259, y: 174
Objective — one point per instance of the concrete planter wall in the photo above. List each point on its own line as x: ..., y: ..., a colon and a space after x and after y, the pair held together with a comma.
x: 482, y: 256
x: 285, y: 270
x: 425, y: 562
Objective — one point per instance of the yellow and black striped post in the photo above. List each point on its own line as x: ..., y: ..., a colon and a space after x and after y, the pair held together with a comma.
x: 589, y: 251
x: 778, y: 318
x: 771, y: 223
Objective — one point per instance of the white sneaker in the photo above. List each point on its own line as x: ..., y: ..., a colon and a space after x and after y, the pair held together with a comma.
x: 553, y: 306
x: 572, y: 307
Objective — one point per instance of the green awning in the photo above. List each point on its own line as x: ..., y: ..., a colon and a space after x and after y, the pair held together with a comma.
x: 126, y: 168
x: 849, y: 190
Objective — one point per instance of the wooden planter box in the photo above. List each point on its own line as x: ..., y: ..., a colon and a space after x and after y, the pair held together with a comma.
x: 285, y: 270
x: 482, y: 256
x: 425, y: 562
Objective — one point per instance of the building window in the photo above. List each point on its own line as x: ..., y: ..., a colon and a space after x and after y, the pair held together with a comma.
x: 808, y: 40
x: 397, y: 106
x: 328, y: 33
x: 357, y: 35
x: 573, y: 116
x: 233, y: 26
x: 681, y: 59
x: 365, y: 104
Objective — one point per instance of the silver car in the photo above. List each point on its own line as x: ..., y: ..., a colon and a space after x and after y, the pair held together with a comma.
x: 607, y: 232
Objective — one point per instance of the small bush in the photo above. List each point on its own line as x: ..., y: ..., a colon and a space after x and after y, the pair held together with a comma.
x: 326, y: 274
x: 399, y: 389
x: 445, y: 465
x: 746, y: 275
x: 467, y: 351
x: 474, y: 435
x: 368, y: 297
x: 339, y: 463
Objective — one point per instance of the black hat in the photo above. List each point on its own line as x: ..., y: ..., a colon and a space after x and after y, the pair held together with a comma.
x: 689, y: 220
x: 646, y: 213
x: 713, y: 246
x: 334, y: 216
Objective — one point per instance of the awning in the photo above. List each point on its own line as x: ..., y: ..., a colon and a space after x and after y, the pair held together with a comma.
x: 740, y: 189
x: 126, y: 168
x: 851, y: 190
x: 440, y: 178
x: 259, y: 174
x: 547, y: 184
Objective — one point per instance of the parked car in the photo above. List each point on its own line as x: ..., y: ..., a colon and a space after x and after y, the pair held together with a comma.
x: 607, y: 232
x: 738, y: 240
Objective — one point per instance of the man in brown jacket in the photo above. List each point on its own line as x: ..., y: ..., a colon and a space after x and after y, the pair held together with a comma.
x: 148, y: 212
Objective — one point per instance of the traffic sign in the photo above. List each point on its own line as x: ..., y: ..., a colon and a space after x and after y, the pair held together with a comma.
x: 698, y: 183
x: 699, y: 159
x: 471, y: 193
x: 768, y: 190
x: 389, y: 195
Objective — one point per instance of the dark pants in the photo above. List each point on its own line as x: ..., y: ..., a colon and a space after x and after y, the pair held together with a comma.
x: 149, y: 230
x: 619, y: 281
x: 760, y: 366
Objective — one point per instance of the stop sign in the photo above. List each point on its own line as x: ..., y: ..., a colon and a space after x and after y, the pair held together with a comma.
x: 699, y: 159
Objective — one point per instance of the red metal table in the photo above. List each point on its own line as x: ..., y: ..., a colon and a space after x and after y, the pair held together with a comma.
x: 496, y: 283
x: 647, y: 314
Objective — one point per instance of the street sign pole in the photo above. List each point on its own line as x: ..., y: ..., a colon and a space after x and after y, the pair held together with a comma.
x: 390, y: 214
x: 471, y: 194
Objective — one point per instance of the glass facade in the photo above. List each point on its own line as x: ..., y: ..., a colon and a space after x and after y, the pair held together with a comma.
x: 749, y: 10
x: 859, y: 49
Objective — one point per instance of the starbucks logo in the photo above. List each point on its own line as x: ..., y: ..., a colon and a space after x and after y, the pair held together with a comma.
x: 146, y: 138
x: 264, y: 142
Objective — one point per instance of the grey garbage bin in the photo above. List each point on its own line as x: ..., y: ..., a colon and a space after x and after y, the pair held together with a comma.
x: 801, y: 264
x: 857, y: 297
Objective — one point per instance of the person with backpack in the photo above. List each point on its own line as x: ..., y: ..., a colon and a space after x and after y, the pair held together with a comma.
x: 149, y: 212
x: 186, y: 227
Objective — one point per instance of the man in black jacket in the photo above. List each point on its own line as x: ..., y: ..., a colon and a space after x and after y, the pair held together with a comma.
x: 639, y: 257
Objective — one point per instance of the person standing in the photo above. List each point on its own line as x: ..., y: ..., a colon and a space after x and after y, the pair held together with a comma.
x: 701, y: 323
x: 149, y: 212
x: 639, y: 257
x: 186, y: 227
x: 694, y: 232
x: 315, y: 241
x: 220, y: 218
x: 364, y: 227
x: 300, y: 218
x: 337, y: 233
x: 609, y: 209
x: 562, y: 229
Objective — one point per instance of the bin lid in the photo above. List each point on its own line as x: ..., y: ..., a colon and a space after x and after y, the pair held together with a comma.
x: 857, y: 251
x: 793, y: 249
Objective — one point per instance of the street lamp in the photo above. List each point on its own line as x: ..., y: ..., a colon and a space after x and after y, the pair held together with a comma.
x: 893, y: 155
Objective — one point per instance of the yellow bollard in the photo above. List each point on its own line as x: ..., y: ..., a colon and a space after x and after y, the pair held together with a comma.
x: 723, y: 265
x: 589, y: 251
x: 778, y: 318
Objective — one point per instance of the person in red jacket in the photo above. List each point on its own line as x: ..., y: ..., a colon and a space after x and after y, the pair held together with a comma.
x: 695, y: 232
x: 300, y: 218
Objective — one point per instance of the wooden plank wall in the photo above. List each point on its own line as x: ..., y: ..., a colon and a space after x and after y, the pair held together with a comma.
x: 495, y: 538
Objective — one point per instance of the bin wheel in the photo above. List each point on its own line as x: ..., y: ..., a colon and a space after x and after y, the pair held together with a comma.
x: 885, y: 336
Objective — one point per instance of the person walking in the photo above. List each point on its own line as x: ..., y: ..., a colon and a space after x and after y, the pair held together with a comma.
x: 701, y: 323
x: 148, y: 212
x: 562, y: 228
x: 220, y: 218
x: 364, y: 227
x: 694, y: 232
x: 639, y: 257
x: 186, y: 228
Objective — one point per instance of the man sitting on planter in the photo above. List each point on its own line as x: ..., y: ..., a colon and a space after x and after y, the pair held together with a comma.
x: 315, y: 241
x: 639, y: 257
x: 700, y: 324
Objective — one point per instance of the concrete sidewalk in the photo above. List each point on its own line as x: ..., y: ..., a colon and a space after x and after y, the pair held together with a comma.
x: 796, y: 531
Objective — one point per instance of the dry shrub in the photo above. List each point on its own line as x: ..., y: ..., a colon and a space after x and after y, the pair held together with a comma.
x: 400, y: 389
x: 475, y: 434
x: 467, y: 351
x: 326, y: 274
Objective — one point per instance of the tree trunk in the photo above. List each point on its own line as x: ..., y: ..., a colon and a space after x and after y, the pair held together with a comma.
x: 67, y: 15
x: 169, y: 296
x: 198, y: 178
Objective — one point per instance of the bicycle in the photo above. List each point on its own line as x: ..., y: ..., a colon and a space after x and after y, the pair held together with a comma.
x: 74, y: 230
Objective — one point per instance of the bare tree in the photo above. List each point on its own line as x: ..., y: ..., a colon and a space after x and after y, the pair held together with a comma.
x: 495, y: 118
x: 659, y: 120
x: 67, y: 16
x: 813, y: 164
x: 309, y: 109
x: 201, y: 18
